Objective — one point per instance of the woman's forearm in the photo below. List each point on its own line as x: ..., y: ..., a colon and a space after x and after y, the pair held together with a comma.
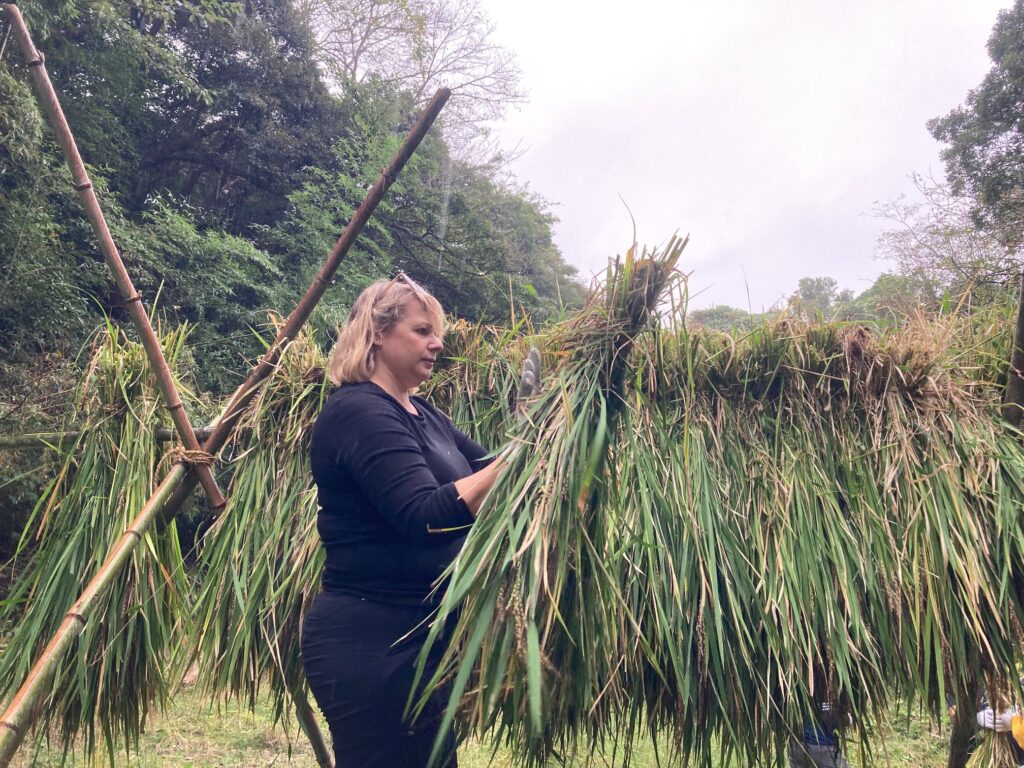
x: 474, y: 488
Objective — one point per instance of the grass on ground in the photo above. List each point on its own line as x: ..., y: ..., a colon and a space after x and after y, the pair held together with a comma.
x: 194, y: 734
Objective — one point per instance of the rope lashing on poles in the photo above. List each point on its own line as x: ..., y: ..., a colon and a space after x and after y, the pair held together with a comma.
x: 182, y: 455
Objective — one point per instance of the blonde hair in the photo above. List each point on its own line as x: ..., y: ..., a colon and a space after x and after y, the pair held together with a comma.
x: 379, y: 308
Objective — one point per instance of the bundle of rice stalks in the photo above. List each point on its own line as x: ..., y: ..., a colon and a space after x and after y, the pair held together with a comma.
x: 784, y: 561
x: 117, y: 670
x: 477, y: 381
x: 979, y: 343
x: 786, y: 361
x: 797, y: 520
x: 993, y: 750
x: 261, y: 561
x: 842, y: 537
x: 540, y: 633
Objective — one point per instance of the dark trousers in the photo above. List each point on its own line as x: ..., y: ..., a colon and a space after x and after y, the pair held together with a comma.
x: 803, y: 755
x: 361, y: 680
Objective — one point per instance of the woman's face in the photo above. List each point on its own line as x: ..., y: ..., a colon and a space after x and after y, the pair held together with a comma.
x: 409, y: 350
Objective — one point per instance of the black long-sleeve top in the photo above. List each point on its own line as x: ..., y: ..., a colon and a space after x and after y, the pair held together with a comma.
x: 390, y: 518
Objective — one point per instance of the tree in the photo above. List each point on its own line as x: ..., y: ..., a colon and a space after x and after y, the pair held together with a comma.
x: 234, y: 145
x: 891, y: 299
x: 720, y: 317
x: 418, y: 46
x: 984, y: 156
x: 937, y: 244
x: 164, y: 102
x: 984, y: 160
x: 476, y: 241
x: 818, y: 296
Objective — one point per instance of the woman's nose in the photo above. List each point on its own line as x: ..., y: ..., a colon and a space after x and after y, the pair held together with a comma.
x: 436, y: 344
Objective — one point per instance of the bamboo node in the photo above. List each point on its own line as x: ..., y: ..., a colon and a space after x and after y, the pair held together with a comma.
x: 176, y: 406
x: 11, y: 726
x: 76, y: 616
x: 83, y: 186
x: 37, y: 62
x: 135, y: 297
x: 179, y: 455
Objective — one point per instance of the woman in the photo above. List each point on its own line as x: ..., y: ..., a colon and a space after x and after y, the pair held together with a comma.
x: 398, y: 487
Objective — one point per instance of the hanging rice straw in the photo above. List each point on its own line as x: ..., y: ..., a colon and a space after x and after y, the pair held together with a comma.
x: 722, y: 538
x: 476, y: 383
x: 117, y: 670
x: 993, y: 750
x: 530, y: 593
x: 261, y: 561
x: 701, y: 537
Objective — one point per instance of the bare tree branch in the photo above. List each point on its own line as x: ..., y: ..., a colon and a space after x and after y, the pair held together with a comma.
x: 418, y: 46
x: 937, y: 239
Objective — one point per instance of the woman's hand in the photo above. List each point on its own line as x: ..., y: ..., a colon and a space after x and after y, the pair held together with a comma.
x: 474, y: 488
x: 1000, y: 722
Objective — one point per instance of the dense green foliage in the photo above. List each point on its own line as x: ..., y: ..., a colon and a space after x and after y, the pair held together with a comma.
x: 984, y: 157
x: 227, y: 168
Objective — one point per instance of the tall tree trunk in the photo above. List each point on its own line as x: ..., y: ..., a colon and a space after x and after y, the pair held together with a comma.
x: 962, y: 730
x: 1013, y: 399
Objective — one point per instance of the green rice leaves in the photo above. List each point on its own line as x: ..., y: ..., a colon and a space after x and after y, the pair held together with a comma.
x: 714, y: 537
x: 261, y: 561
x: 118, y: 670
x: 700, y: 536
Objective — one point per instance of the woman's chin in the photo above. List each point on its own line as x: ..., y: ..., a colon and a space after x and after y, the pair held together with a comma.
x: 419, y: 380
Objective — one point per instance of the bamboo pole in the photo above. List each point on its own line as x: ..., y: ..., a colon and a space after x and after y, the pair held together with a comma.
x: 39, y: 441
x: 962, y: 732
x: 307, y: 721
x: 19, y: 716
x: 1013, y: 398
x: 247, y: 390
x: 23, y: 709
x: 132, y: 298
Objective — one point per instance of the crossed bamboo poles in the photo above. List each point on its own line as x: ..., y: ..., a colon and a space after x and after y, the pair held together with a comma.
x: 166, y: 500
x: 132, y: 298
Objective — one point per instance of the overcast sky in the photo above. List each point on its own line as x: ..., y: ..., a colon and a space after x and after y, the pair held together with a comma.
x: 765, y: 130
